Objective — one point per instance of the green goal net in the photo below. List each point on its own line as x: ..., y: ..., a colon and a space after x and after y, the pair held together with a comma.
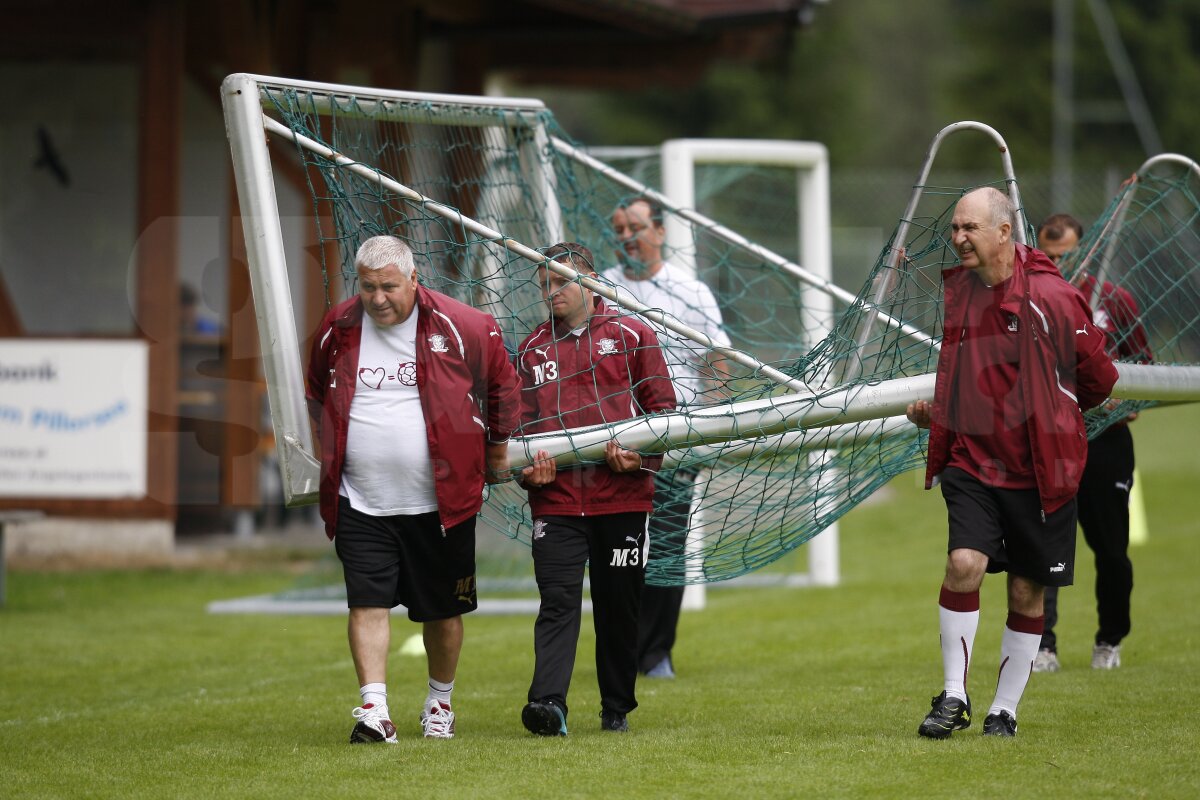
x: 1147, y: 242
x: 800, y: 423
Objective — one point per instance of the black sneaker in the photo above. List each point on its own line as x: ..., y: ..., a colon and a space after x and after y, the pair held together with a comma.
x: 1002, y: 724
x: 613, y: 721
x: 949, y: 714
x: 544, y: 719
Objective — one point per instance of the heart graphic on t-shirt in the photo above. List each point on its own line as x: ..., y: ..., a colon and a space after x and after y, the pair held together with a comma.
x: 372, y: 377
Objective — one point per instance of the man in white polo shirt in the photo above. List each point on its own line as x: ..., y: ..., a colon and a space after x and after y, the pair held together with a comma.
x: 638, y: 224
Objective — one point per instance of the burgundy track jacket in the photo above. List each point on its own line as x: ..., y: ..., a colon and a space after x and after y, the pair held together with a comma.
x: 468, y: 392
x: 1064, y: 370
x: 613, y: 371
x: 1116, y: 313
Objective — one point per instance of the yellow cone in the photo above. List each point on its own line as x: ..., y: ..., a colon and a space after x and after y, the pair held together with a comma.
x: 413, y: 646
x: 1139, y: 531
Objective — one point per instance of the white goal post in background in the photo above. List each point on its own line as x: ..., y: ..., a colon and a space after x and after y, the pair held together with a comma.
x: 678, y: 161
x: 810, y: 160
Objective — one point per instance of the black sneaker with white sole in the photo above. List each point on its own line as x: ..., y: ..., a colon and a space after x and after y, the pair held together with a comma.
x: 544, y: 718
x: 948, y: 714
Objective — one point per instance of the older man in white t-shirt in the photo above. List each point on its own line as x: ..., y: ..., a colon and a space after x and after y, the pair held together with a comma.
x: 415, y: 399
x: 638, y: 225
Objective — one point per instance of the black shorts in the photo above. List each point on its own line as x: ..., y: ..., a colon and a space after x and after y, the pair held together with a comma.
x: 406, y: 560
x: 1006, y: 525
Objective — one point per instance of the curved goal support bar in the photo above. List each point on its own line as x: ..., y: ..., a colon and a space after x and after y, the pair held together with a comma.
x: 1168, y: 158
x: 1010, y: 177
x: 883, y: 282
x: 1116, y: 223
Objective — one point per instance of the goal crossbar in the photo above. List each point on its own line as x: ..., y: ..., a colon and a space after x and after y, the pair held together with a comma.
x: 801, y: 411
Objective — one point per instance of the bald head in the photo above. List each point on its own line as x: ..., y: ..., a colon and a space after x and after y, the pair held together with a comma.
x: 1000, y: 208
x: 982, y: 233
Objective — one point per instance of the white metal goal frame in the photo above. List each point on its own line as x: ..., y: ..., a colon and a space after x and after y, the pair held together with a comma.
x: 245, y: 96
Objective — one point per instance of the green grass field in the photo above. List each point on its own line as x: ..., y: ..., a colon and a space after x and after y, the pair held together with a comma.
x: 118, y: 684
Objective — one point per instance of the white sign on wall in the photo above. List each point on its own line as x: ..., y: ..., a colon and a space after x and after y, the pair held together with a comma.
x: 73, y: 418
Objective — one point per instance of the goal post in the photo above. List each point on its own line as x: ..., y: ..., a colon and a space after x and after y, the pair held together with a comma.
x: 810, y: 162
x: 244, y: 98
x: 521, y: 121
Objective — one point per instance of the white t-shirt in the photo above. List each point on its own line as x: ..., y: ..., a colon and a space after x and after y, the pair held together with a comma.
x: 688, y: 300
x: 387, y: 469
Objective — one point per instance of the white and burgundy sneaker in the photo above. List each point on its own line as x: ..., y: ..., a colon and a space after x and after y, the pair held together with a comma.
x: 438, y: 721
x: 372, y: 726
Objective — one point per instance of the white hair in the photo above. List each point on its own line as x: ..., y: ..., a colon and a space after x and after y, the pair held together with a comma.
x: 380, y: 251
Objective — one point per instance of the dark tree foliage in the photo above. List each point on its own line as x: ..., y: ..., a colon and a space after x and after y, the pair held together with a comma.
x: 876, y: 79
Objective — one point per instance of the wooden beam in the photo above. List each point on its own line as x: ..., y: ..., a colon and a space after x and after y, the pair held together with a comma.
x: 243, y: 383
x: 10, y: 323
x: 160, y: 167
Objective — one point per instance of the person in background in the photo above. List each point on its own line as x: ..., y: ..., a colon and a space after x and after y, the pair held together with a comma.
x: 191, y: 321
x: 415, y: 398
x: 1107, y: 480
x: 652, y: 281
x: 587, y: 366
x: 1021, y: 359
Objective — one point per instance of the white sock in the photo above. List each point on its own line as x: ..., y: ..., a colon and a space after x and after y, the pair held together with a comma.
x: 375, y: 693
x: 1018, y: 649
x: 439, y: 691
x: 958, y: 619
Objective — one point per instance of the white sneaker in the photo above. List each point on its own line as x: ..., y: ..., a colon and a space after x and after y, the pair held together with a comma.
x: 372, y: 725
x: 438, y: 722
x: 1106, y: 656
x: 663, y: 669
x: 1045, y: 661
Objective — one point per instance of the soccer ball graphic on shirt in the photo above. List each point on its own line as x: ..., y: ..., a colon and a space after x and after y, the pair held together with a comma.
x: 406, y: 373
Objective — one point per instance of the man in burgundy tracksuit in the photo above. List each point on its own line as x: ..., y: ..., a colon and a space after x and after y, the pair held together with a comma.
x: 1020, y: 358
x: 415, y: 399
x: 1108, y: 478
x: 586, y: 366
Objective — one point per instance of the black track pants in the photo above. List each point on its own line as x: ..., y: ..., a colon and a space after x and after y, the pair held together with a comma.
x: 615, y: 546
x: 668, y: 538
x: 1103, y: 504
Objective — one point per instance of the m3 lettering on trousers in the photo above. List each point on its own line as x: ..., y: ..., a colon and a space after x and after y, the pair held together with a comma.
x: 627, y: 556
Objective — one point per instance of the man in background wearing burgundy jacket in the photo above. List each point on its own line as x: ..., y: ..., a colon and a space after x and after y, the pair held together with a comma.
x: 1107, y: 480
